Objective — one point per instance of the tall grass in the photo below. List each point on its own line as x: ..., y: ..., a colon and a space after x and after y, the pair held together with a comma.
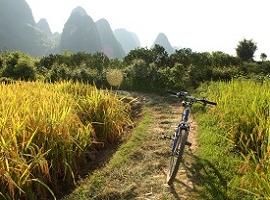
x: 243, y: 111
x: 45, y: 130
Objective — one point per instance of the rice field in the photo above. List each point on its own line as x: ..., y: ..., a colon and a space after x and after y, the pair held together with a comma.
x: 243, y: 111
x: 45, y: 130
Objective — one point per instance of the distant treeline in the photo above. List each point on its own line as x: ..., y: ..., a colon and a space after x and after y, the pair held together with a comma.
x: 142, y: 69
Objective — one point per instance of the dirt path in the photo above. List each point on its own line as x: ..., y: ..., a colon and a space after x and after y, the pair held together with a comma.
x: 156, y: 153
x: 139, y: 169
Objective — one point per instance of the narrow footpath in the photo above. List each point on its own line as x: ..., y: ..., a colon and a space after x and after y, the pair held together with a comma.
x: 138, y: 170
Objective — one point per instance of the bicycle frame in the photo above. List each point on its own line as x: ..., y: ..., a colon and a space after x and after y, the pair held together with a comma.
x: 180, y: 137
x: 184, y: 124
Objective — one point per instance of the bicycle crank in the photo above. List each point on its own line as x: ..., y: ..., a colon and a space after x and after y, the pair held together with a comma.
x: 188, y: 144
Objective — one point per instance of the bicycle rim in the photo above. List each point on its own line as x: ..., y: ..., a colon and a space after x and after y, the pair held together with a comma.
x: 176, y: 156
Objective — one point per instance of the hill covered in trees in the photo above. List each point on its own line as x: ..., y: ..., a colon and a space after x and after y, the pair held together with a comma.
x: 110, y: 46
x: 127, y: 39
x: 162, y: 40
x: 80, y: 33
x: 19, y: 30
x: 45, y: 27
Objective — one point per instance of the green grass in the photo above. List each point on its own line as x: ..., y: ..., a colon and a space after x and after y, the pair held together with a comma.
x: 96, y: 185
x: 218, y: 162
x: 234, y: 137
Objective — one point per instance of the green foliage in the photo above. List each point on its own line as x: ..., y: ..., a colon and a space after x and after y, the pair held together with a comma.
x: 222, y: 59
x: 199, y: 74
x: 224, y: 73
x: 182, y: 56
x: 243, y: 111
x: 160, y: 56
x: 19, y: 67
x: 140, y: 53
x: 218, y: 161
x: 58, y: 73
x: 1, y: 62
x: 245, y: 50
x: 143, y: 69
x: 265, y: 67
x: 6, y: 80
x: 263, y: 56
x: 251, y: 68
x: 138, y: 75
x: 149, y: 77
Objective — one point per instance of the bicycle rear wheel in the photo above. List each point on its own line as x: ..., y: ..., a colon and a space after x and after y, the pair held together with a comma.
x: 177, y: 155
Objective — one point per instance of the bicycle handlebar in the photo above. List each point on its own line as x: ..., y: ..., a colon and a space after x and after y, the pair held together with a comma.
x: 185, y: 94
x: 207, y: 102
x: 178, y: 94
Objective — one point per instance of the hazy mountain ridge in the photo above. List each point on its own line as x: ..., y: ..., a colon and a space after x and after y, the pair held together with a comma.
x: 127, y: 39
x: 18, y: 28
x: 19, y: 31
x: 80, y: 33
x: 43, y: 25
x: 162, y: 40
x: 110, y: 45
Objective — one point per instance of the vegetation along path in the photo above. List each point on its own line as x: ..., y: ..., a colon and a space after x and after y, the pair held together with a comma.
x: 138, y: 169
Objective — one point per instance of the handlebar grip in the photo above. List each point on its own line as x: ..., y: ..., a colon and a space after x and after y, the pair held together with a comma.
x: 210, y: 102
x: 178, y: 94
x: 171, y: 92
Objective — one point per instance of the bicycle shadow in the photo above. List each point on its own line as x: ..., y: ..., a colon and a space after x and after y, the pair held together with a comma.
x: 201, y: 173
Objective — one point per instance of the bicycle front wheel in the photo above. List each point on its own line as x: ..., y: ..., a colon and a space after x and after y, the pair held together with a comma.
x: 177, y: 155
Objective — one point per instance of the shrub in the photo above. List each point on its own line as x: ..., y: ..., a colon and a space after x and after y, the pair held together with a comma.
x: 19, y: 67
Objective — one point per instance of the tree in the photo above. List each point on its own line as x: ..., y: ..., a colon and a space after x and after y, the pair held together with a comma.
x: 245, y: 50
x: 19, y: 66
x: 263, y: 56
x: 160, y: 56
x: 221, y: 59
x: 182, y: 56
x: 140, y: 53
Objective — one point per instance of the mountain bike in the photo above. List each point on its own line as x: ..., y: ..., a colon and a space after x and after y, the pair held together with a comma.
x: 180, y: 136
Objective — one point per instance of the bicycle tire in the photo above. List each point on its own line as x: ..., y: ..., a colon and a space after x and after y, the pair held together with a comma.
x: 177, y: 158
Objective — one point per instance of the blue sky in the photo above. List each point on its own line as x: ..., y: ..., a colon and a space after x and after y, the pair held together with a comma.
x: 206, y: 25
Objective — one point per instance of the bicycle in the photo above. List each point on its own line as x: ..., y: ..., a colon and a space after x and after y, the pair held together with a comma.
x: 179, y: 139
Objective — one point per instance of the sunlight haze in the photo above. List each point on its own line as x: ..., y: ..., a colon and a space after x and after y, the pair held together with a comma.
x: 208, y: 25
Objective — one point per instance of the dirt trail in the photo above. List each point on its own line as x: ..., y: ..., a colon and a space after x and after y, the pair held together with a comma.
x: 142, y: 175
x: 166, y: 118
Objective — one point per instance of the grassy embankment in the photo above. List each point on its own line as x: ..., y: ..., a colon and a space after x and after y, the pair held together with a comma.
x: 99, y: 185
x: 234, y: 140
x: 46, y: 130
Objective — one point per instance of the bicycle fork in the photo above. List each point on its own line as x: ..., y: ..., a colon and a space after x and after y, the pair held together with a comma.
x: 175, y: 137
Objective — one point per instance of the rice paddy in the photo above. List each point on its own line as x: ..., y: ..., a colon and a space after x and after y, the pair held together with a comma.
x: 243, y: 111
x: 45, y: 130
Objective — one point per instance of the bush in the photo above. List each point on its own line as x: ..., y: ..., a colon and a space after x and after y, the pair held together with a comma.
x: 265, y: 67
x: 58, y: 73
x: 19, y: 67
x: 6, y: 80
x: 224, y: 73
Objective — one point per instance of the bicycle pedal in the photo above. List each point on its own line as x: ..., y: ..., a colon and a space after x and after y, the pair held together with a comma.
x: 188, y: 143
x: 165, y: 137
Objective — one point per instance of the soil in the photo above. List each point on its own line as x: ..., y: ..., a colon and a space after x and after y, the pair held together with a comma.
x: 156, y: 152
